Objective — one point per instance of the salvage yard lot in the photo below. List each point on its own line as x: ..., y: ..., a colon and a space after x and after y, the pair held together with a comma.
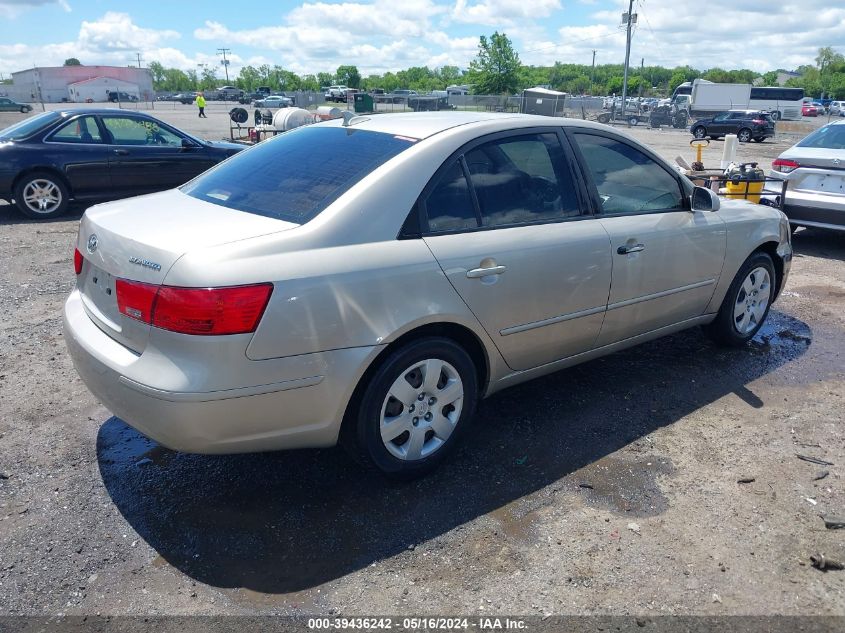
x: 611, y: 487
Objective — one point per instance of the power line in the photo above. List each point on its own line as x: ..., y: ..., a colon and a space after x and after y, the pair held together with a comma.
x: 586, y: 39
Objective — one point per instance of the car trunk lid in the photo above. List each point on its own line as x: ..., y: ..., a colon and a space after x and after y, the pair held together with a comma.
x: 139, y: 239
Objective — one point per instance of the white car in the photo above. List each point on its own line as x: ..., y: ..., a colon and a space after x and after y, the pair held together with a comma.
x: 274, y: 101
x: 367, y: 280
x: 837, y: 108
x: 814, y: 172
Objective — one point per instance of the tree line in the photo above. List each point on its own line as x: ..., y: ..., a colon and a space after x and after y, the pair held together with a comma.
x: 497, y: 69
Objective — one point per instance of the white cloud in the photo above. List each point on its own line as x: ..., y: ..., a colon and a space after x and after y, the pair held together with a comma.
x: 500, y: 13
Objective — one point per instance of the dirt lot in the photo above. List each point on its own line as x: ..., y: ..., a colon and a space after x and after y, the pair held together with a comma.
x: 608, y: 488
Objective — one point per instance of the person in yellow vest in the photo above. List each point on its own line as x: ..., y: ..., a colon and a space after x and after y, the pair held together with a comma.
x: 201, y: 105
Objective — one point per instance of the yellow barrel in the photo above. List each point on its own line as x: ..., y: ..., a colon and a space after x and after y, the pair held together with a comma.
x: 744, y: 189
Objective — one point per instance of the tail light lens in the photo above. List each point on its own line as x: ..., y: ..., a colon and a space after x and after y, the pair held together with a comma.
x: 77, y: 261
x: 758, y: 121
x: 784, y: 166
x: 199, y: 311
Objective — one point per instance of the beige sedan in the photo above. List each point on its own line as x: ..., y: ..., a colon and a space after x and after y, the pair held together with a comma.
x: 367, y: 280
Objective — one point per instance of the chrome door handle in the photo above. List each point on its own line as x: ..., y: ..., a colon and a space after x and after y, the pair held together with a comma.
x: 475, y: 273
x: 634, y: 248
x: 121, y: 152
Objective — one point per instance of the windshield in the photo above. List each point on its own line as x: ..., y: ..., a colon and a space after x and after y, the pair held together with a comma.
x: 29, y: 126
x: 828, y: 137
x: 296, y: 175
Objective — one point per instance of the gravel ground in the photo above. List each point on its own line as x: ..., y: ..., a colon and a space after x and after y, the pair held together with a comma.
x: 608, y: 488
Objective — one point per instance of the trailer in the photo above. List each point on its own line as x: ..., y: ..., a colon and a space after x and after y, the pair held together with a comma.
x: 705, y: 98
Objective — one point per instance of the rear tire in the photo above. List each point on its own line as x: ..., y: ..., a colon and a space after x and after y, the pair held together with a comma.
x: 414, y: 409
x: 41, y: 195
x: 744, y: 135
x: 699, y: 131
x: 746, y: 304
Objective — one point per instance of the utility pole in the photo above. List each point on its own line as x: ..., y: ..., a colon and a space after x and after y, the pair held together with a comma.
x: 630, y: 18
x: 224, y: 62
x: 138, y: 57
x: 593, y: 72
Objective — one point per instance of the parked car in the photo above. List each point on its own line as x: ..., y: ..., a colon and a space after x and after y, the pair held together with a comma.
x: 837, y: 108
x: 366, y: 281
x: 401, y: 96
x: 185, y: 98
x: 228, y: 93
x: 746, y: 124
x: 117, y: 96
x: 85, y: 154
x: 274, y: 101
x: 814, y: 170
x: 808, y: 109
x: 7, y: 105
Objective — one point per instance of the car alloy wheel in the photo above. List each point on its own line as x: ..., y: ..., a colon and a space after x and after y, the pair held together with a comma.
x: 42, y: 196
x: 752, y: 300
x: 421, y: 409
x: 744, y: 135
x: 699, y: 132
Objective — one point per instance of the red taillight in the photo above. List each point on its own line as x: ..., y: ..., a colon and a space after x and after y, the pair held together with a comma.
x: 136, y: 300
x: 784, y: 166
x: 203, y: 311
x: 77, y: 261
x: 758, y: 121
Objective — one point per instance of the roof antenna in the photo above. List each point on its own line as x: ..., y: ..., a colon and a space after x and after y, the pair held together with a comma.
x: 347, y: 117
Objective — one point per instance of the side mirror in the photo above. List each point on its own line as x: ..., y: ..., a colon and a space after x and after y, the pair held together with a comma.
x: 188, y: 144
x: 703, y: 199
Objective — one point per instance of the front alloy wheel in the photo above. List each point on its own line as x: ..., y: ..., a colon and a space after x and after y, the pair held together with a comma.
x: 746, y: 304
x: 752, y: 300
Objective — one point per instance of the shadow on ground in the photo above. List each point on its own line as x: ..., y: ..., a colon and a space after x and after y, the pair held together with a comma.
x: 819, y: 243
x: 288, y: 521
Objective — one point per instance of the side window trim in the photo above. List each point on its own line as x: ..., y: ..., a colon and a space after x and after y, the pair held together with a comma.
x: 593, y: 189
x: 586, y: 212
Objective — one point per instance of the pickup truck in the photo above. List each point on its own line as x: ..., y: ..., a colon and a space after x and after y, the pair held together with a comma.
x: 336, y: 93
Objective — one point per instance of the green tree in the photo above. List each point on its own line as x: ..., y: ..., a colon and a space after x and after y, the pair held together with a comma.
x: 249, y: 78
x: 348, y: 76
x: 157, y: 72
x: 495, y: 69
x: 325, y: 79
x: 72, y: 61
x: 770, y: 78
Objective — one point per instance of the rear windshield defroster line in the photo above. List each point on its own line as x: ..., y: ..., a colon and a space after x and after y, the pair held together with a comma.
x: 296, y: 175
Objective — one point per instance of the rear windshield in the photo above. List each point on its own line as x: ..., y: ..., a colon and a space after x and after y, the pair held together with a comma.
x: 28, y: 127
x: 829, y: 137
x: 296, y: 175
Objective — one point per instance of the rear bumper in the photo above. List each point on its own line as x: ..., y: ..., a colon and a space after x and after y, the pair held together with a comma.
x: 300, y: 402
x: 813, y: 209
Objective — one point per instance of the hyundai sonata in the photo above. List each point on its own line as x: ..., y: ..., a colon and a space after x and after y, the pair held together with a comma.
x: 366, y: 280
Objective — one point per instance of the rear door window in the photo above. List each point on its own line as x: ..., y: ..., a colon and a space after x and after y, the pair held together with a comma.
x: 522, y: 179
x: 296, y: 175
x: 449, y: 206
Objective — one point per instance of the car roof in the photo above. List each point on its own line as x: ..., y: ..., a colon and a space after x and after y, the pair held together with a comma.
x: 73, y: 111
x: 425, y: 124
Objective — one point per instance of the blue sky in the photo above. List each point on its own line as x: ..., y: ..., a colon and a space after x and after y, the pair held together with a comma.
x: 380, y: 35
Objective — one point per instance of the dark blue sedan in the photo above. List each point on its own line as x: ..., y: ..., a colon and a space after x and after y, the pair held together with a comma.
x: 93, y: 155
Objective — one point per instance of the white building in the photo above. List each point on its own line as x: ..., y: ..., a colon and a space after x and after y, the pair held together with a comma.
x: 52, y: 84
x: 98, y: 89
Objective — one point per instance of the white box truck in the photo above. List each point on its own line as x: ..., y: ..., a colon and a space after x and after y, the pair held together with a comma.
x: 704, y: 97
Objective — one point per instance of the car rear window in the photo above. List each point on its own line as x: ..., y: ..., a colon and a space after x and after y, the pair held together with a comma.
x: 829, y: 137
x: 296, y: 175
x: 28, y: 127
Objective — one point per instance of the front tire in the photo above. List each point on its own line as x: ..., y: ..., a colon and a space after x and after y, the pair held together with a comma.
x: 41, y: 195
x: 746, y: 304
x: 414, y: 409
